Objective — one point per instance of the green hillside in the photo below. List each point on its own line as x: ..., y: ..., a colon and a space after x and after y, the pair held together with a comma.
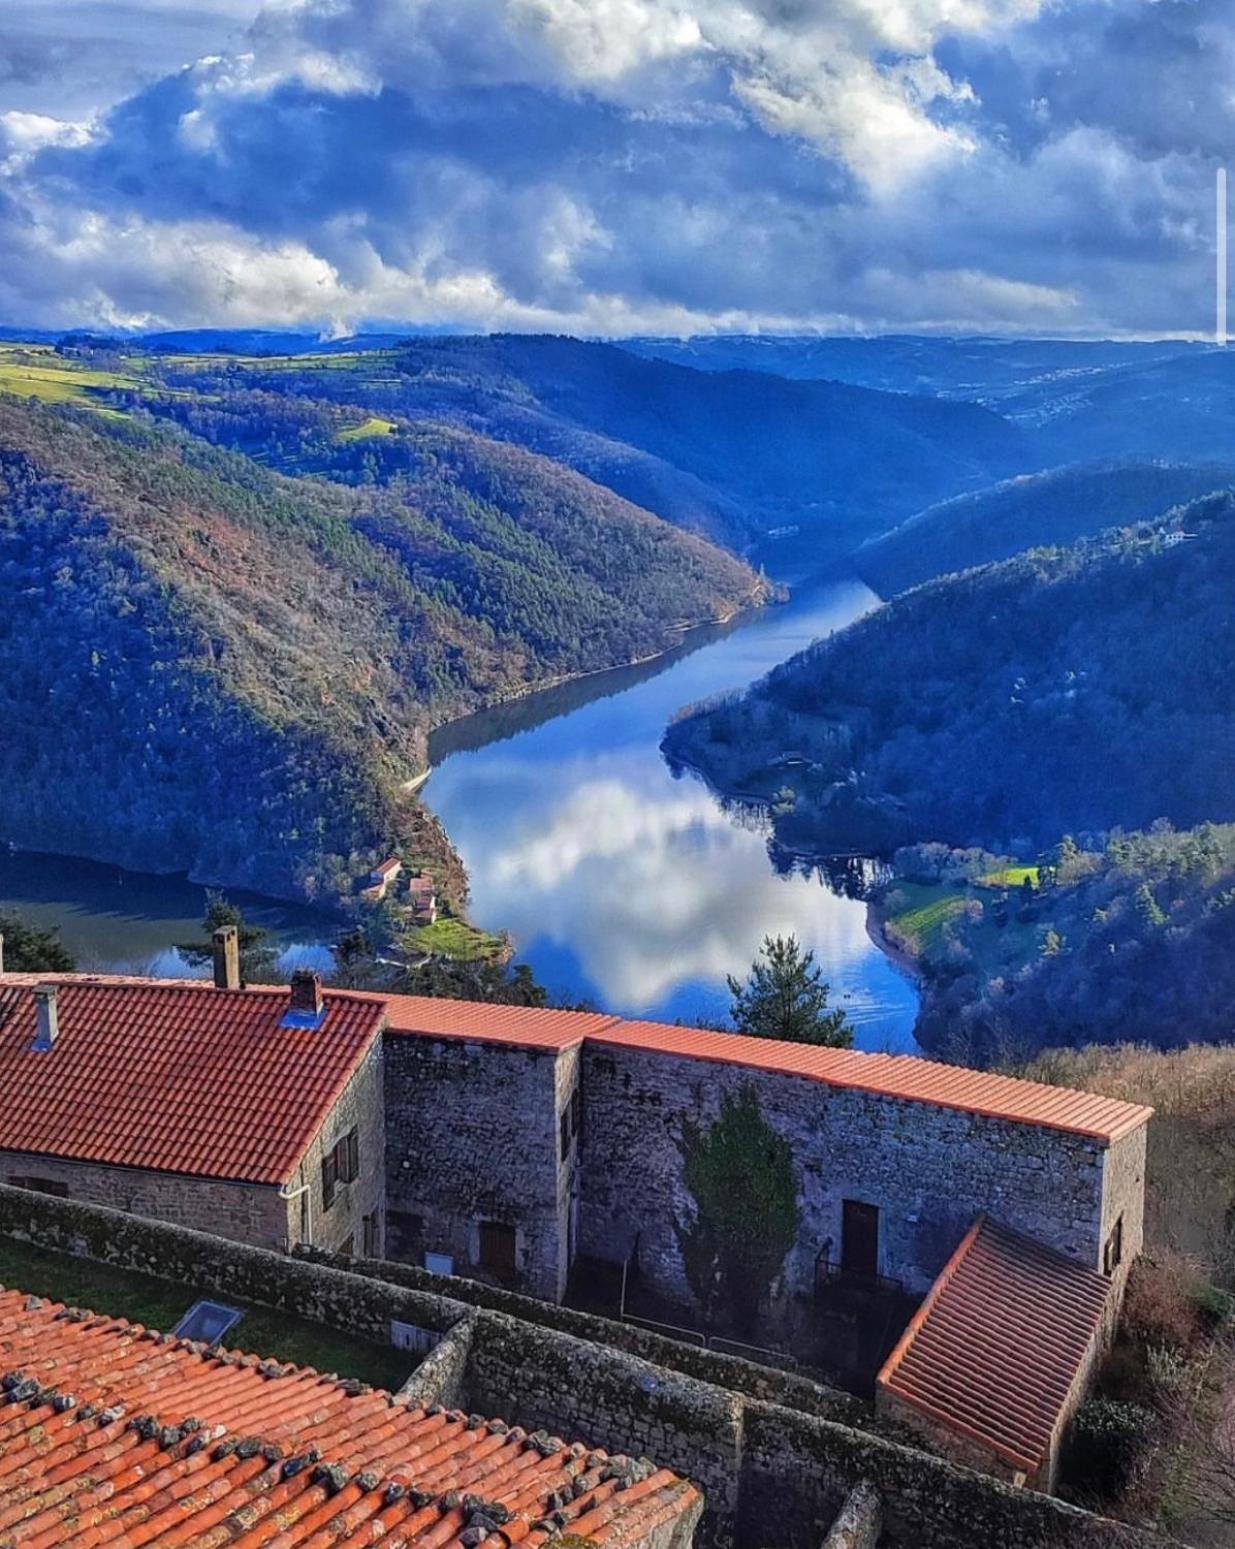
x: 1028, y: 512
x: 212, y: 667
x: 1066, y: 690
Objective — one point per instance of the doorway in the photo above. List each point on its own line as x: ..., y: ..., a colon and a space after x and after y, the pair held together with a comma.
x: 860, y: 1240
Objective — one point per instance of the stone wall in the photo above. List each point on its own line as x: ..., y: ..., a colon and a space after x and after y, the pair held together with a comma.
x: 929, y: 1170
x: 243, y: 1212
x: 1123, y: 1198
x: 774, y: 1477
x: 472, y: 1136
x: 361, y: 1107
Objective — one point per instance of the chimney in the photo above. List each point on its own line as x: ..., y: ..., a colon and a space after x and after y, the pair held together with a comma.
x: 45, y: 997
x: 307, y: 993
x: 226, y: 942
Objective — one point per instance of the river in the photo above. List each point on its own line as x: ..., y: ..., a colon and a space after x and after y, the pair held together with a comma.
x: 630, y: 888
x: 620, y: 884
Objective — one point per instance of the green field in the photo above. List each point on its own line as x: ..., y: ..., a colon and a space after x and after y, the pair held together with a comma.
x: 38, y: 372
x: 455, y: 938
x: 1009, y: 877
x: 370, y: 428
x: 924, y: 910
x: 160, y: 1304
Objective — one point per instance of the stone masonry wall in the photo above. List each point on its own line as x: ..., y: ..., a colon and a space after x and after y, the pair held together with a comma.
x: 360, y: 1106
x: 566, y: 1086
x: 929, y: 1170
x: 240, y: 1211
x: 775, y: 1478
x: 1123, y: 1196
x: 472, y: 1136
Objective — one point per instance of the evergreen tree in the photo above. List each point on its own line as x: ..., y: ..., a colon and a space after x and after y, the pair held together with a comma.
x: 256, y: 950
x: 786, y: 997
x: 30, y: 950
x: 740, y: 1175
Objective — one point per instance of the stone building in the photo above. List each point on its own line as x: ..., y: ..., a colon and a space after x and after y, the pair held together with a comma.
x: 256, y: 1114
x: 505, y: 1143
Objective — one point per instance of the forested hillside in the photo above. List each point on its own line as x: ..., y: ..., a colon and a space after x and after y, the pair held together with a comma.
x: 209, y: 666
x: 1028, y: 512
x: 1127, y: 939
x: 1066, y: 690
x: 731, y: 455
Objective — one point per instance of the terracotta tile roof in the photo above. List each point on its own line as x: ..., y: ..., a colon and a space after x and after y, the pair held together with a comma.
x: 904, y: 1076
x: 528, y: 1026
x: 112, y: 1436
x: 185, y: 1079
x: 994, y: 1350
x: 896, y: 1075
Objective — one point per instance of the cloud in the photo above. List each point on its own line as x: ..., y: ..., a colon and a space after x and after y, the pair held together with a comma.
x: 644, y: 165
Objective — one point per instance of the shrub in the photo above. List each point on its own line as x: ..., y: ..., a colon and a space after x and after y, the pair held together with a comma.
x: 1106, y: 1440
x: 1163, y: 1308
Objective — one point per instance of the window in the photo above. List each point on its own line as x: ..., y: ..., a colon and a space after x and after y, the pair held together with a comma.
x: 860, y: 1239
x: 564, y: 1133
x: 1113, y: 1252
x: 208, y: 1321
x: 40, y: 1185
x: 405, y: 1235
x: 371, y: 1226
x: 497, y: 1247
x: 575, y: 1107
x: 341, y: 1164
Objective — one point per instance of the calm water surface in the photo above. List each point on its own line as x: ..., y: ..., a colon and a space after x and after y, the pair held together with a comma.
x: 626, y: 886
x: 620, y: 884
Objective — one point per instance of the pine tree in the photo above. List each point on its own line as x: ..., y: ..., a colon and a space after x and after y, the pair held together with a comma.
x: 30, y: 950
x: 786, y: 997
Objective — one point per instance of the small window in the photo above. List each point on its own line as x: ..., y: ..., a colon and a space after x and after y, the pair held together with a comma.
x: 405, y: 1234
x: 40, y: 1185
x: 341, y: 1164
x: 1113, y: 1252
x: 497, y: 1247
x: 564, y: 1133
x: 208, y: 1321
x: 575, y: 1107
x: 372, y: 1235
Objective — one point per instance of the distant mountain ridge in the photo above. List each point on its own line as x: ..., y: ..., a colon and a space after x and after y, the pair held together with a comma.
x: 1031, y: 511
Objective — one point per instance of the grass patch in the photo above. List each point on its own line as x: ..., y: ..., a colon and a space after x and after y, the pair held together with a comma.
x: 457, y: 939
x: 924, y: 910
x: 160, y: 1304
x: 368, y: 430
x: 1009, y: 877
x: 41, y: 374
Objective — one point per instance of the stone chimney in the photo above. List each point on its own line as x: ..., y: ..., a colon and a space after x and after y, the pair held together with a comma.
x: 307, y: 993
x: 226, y: 941
x: 48, y: 1014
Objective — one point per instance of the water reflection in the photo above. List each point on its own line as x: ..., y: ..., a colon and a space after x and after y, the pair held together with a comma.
x: 633, y: 888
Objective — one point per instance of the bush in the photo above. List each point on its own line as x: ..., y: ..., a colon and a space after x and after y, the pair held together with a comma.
x: 1106, y: 1440
x: 1164, y: 1305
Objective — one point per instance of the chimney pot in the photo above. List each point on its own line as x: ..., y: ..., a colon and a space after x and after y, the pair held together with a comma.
x: 307, y: 992
x: 226, y: 942
x: 47, y: 1013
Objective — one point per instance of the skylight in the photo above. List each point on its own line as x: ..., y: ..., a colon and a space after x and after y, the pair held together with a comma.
x: 208, y: 1321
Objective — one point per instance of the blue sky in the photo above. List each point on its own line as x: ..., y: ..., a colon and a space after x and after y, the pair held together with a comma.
x: 614, y: 166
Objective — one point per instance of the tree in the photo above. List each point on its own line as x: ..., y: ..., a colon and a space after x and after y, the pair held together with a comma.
x: 740, y: 1174
x: 1148, y: 908
x: 256, y: 951
x: 787, y: 997
x: 30, y: 950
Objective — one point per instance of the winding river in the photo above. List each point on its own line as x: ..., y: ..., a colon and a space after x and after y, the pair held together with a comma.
x: 620, y: 884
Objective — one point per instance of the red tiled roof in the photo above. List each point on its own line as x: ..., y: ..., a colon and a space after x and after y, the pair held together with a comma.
x: 904, y: 1076
x: 895, y: 1075
x: 528, y: 1026
x: 994, y: 1350
x: 178, y: 1078
x: 167, y: 1443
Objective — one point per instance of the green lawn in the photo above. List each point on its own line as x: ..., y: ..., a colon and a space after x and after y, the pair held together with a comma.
x: 928, y: 907
x: 161, y: 1304
x: 454, y: 938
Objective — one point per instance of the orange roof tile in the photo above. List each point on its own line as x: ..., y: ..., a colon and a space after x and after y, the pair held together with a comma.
x: 528, y: 1026
x: 895, y: 1075
x: 175, y: 1078
x: 994, y: 1350
x: 114, y: 1436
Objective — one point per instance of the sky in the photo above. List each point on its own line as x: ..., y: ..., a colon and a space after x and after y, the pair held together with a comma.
x: 614, y: 166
